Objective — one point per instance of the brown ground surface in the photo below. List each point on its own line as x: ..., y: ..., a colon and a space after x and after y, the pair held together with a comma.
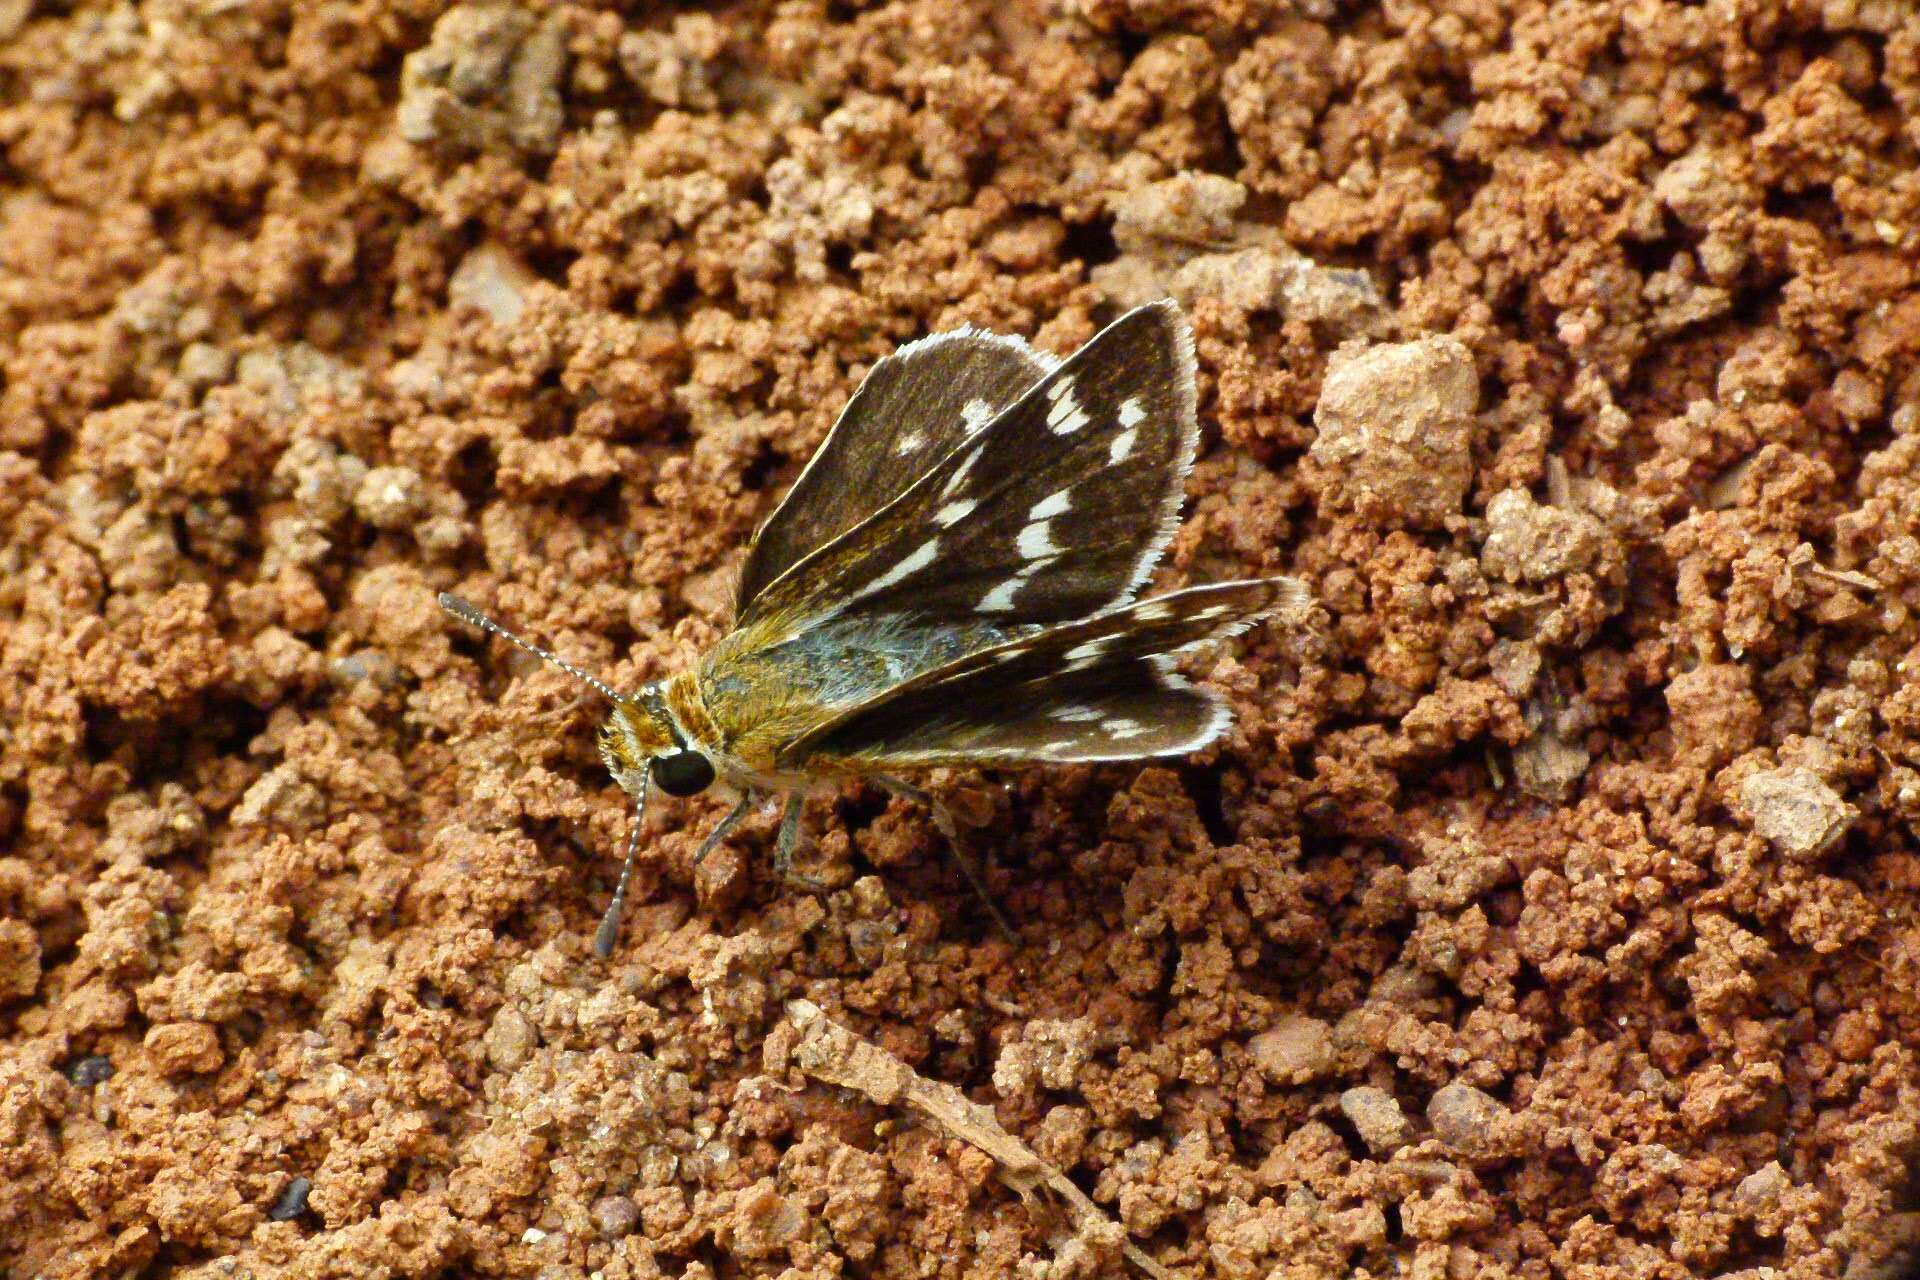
x: 1551, y: 912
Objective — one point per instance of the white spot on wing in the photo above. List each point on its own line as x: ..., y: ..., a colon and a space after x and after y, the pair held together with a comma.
x: 960, y: 473
x: 1066, y: 416
x: 906, y: 567
x: 976, y: 414
x: 1088, y: 649
x: 1131, y: 413
x: 1122, y: 447
x: 1077, y: 712
x: 954, y: 511
x: 1000, y: 599
x: 1036, y: 540
x: 1154, y: 611
x: 909, y: 442
x: 1049, y: 507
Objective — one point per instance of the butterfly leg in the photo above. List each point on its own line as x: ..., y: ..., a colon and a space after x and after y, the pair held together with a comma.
x: 725, y: 825
x: 789, y: 841
x: 943, y: 821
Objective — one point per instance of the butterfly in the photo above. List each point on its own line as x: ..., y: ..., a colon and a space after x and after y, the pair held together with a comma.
x: 951, y: 580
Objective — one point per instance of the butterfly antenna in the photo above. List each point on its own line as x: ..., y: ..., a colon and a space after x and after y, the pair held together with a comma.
x: 608, y: 933
x: 474, y: 618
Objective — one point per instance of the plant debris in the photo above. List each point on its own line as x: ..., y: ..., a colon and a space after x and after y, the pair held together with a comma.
x: 835, y: 1055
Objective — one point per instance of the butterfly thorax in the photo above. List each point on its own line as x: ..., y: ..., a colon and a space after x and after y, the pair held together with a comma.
x: 762, y: 698
x: 671, y: 717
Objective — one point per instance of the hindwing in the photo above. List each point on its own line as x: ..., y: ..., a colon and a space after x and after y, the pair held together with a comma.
x: 1128, y: 710
x: 1100, y: 688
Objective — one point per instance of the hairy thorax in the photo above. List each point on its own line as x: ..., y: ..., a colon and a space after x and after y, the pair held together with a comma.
x: 670, y: 714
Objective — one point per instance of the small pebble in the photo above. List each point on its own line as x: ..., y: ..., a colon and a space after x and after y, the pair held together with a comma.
x: 1761, y: 1190
x: 1468, y: 1120
x: 90, y: 1071
x: 389, y: 497
x: 1396, y: 428
x: 203, y: 365
x: 1375, y: 1114
x: 1297, y: 1049
x: 185, y: 1048
x: 511, y: 1039
x: 615, y: 1216
x: 292, y: 1202
x: 1796, y: 812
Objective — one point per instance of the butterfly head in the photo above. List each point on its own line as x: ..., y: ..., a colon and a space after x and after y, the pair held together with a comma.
x: 641, y: 739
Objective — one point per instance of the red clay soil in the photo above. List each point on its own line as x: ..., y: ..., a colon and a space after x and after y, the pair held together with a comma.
x: 1553, y: 909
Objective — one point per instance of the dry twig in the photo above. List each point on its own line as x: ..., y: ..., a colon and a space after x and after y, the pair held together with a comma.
x: 829, y: 1052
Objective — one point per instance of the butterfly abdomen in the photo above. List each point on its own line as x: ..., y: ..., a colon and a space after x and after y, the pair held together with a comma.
x: 759, y: 699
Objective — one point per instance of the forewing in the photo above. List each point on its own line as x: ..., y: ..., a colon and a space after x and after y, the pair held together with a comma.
x: 1056, y: 509
x: 1097, y: 689
x: 911, y: 410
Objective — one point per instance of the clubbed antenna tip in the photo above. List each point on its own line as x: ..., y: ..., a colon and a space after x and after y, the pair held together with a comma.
x: 608, y: 934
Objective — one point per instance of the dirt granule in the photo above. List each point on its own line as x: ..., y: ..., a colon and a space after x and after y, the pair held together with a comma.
x: 1552, y: 910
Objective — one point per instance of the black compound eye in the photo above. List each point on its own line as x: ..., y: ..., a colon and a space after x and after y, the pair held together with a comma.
x: 683, y: 773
